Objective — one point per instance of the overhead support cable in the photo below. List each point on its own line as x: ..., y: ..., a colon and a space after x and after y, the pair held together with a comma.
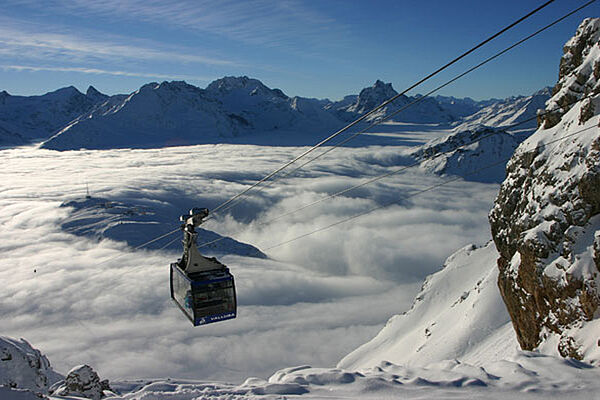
x: 382, y: 105
x: 220, y: 207
x: 420, y: 99
x: 412, y: 195
x: 404, y: 168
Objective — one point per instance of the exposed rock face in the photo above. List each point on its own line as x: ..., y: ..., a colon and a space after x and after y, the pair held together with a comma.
x: 82, y: 381
x: 579, y: 72
x: 545, y: 220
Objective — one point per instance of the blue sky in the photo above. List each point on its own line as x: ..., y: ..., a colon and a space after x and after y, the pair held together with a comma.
x: 326, y: 48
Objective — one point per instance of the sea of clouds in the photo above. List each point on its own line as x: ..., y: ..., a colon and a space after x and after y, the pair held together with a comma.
x: 100, y: 302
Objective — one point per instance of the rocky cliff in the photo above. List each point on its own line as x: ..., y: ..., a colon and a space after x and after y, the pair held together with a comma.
x: 545, y: 221
x: 579, y: 72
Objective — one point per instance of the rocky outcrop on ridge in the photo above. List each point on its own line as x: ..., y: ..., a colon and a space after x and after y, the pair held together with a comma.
x: 23, y: 367
x: 82, y: 381
x: 546, y: 219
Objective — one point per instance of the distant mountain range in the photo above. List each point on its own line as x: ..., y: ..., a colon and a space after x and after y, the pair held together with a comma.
x: 177, y: 113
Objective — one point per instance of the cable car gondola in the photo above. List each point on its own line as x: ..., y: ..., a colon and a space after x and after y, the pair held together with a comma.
x: 202, y: 287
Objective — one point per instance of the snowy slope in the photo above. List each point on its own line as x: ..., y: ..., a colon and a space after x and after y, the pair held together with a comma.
x: 477, y: 154
x: 458, y: 314
x: 35, y: 117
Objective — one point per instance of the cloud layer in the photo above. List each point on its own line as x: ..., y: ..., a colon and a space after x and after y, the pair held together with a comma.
x: 312, y: 302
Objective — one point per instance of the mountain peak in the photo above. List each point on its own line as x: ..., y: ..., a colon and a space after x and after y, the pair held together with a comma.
x: 253, y: 87
x: 66, y: 91
x: 373, y: 96
x: 91, y: 91
x: 94, y: 94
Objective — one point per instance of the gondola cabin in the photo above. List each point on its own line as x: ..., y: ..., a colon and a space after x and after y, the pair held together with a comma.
x: 202, y: 287
x: 204, y: 297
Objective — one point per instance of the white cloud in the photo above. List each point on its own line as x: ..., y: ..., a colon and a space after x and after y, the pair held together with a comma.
x: 313, y: 302
x: 273, y: 23
x: 96, y: 71
x: 31, y: 41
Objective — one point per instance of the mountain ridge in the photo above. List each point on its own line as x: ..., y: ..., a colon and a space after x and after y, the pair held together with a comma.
x: 177, y: 113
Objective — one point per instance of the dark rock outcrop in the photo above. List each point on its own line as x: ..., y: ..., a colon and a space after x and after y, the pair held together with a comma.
x: 82, y: 381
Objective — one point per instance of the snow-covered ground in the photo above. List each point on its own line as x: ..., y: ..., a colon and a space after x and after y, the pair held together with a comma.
x: 311, y: 302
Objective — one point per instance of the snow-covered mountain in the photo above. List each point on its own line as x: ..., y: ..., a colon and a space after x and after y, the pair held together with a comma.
x: 483, y: 141
x: 466, y: 150
x: 230, y: 109
x: 546, y: 218
x: 176, y: 113
x: 520, y: 110
x: 23, y: 118
x: 427, y: 110
x: 156, y: 115
x: 463, y: 107
x: 266, y: 109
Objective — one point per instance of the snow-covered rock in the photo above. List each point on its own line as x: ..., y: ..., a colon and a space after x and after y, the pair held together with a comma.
x: 8, y: 393
x: 82, y: 381
x: 23, y: 367
x: 579, y: 73
x: 546, y: 219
